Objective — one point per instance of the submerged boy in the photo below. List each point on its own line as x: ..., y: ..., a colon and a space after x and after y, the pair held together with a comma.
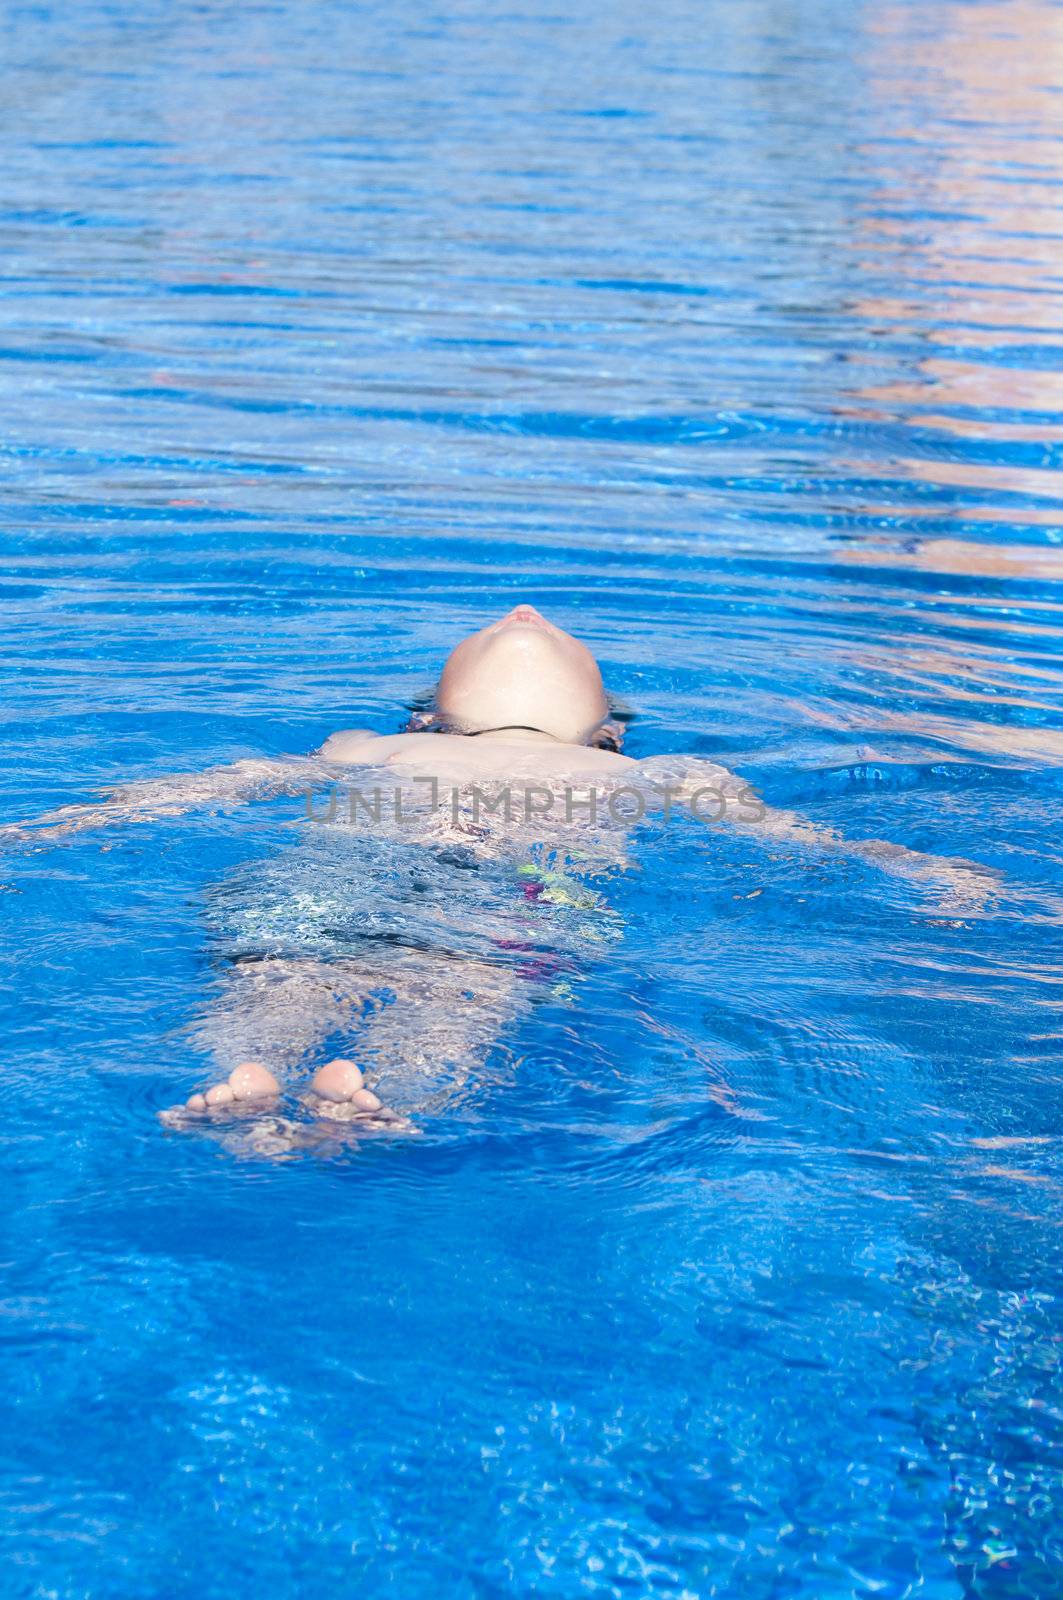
x: 518, y: 751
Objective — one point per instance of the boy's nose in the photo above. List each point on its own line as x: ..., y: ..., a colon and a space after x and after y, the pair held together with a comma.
x: 525, y: 613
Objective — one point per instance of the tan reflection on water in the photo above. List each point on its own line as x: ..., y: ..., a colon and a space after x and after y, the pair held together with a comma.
x: 937, y: 732
x: 962, y: 558
x: 976, y: 90
x: 963, y: 262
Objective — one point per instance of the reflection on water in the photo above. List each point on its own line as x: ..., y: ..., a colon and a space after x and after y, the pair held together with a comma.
x: 965, y: 246
x: 730, y: 336
x: 966, y: 242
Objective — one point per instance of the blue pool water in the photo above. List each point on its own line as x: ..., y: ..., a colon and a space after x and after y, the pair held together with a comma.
x: 730, y: 335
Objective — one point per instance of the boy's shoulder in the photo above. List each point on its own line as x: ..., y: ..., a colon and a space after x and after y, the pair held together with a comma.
x: 455, y: 756
x: 357, y: 745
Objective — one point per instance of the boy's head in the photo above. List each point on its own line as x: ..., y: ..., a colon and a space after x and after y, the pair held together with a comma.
x: 523, y: 672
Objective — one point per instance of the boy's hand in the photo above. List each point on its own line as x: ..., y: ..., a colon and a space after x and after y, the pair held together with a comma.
x: 963, y: 887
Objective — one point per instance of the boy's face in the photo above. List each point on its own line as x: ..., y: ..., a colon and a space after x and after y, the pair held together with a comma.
x: 523, y: 672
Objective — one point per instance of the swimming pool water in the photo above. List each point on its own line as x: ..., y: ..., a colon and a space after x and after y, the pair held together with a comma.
x: 729, y: 335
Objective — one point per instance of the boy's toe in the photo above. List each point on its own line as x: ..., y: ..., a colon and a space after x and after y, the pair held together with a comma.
x: 366, y: 1100
x: 252, y: 1081
x: 339, y: 1080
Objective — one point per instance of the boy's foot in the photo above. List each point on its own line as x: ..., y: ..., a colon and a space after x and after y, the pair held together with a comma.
x: 249, y: 1081
x: 340, y: 1094
x: 340, y: 1082
x: 337, y: 1094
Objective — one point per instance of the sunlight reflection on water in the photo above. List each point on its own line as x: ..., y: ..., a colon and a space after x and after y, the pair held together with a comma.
x: 730, y: 336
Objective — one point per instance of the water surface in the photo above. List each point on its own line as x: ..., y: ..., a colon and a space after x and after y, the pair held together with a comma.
x: 730, y: 336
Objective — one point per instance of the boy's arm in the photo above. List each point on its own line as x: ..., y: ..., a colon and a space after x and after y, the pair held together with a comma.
x: 962, y: 886
x: 350, y: 745
x: 718, y: 796
x: 172, y: 795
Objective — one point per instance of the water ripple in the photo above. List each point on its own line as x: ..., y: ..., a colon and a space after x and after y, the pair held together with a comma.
x: 732, y: 337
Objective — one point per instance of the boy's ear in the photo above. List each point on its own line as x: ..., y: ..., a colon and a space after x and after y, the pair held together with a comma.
x: 422, y: 722
x: 609, y: 735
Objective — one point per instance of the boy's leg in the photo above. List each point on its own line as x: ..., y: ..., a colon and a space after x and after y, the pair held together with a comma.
x: 439, y: 1018
x: 280, y: 1010
x: 419, y: 1022
x: 270, y: 1016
